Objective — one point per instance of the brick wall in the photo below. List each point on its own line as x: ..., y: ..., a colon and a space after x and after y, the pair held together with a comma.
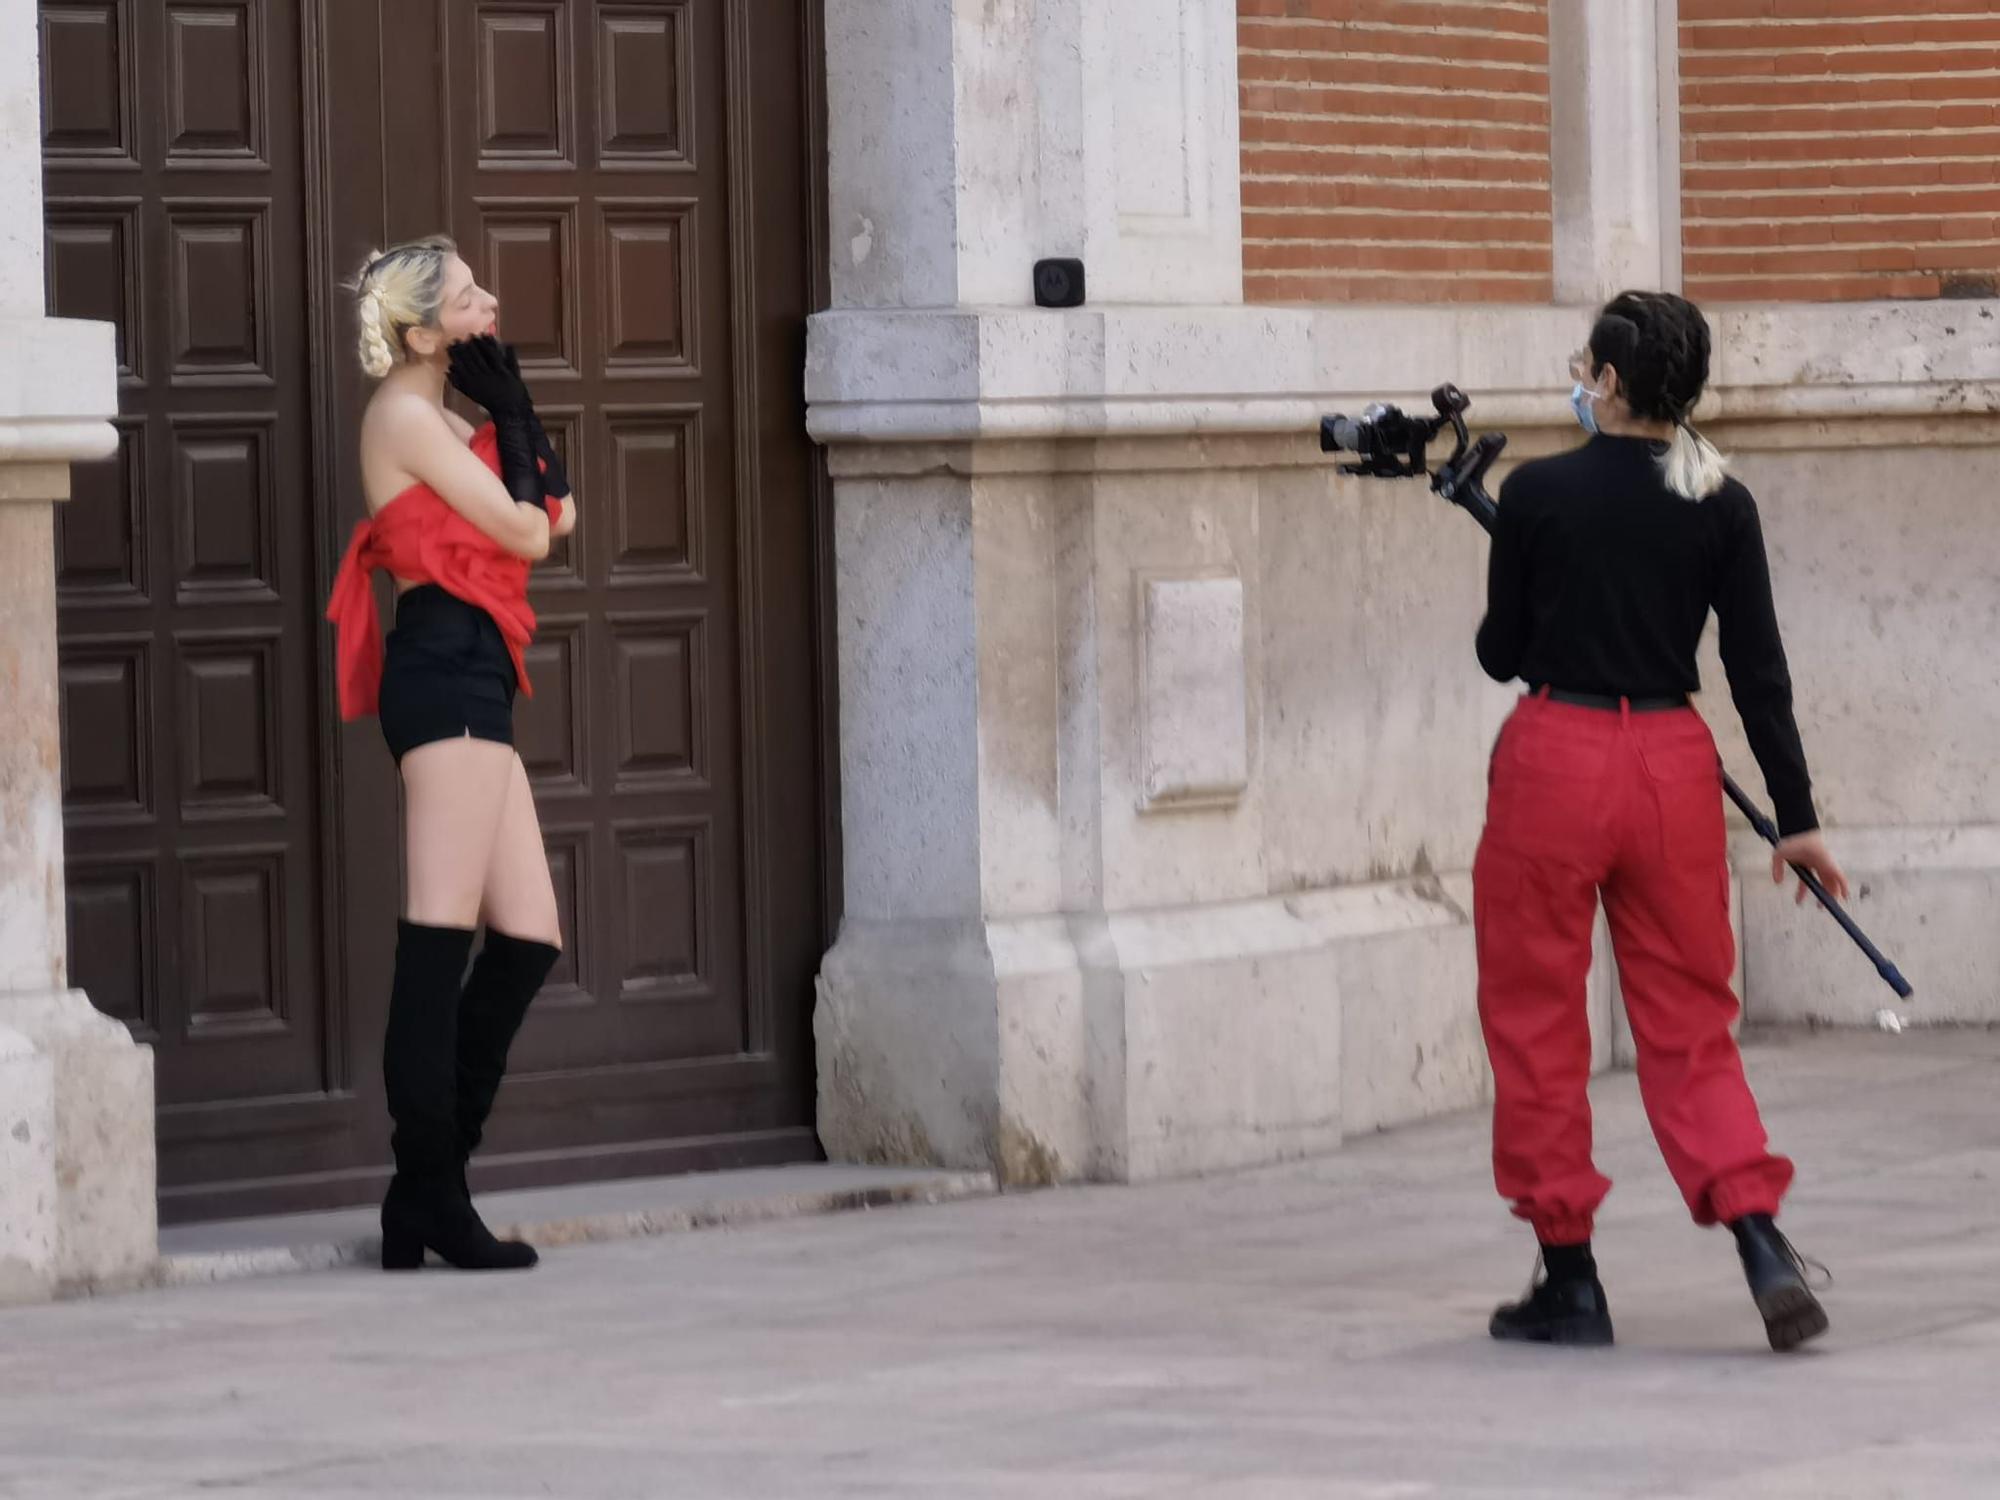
x: 1396, y: 150
x: 1835, y: 149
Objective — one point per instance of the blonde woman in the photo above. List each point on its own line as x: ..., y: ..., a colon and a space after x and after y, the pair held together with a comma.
x: 456, y: 517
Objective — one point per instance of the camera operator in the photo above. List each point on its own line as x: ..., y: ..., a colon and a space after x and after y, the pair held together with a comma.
x: 1605, y: 783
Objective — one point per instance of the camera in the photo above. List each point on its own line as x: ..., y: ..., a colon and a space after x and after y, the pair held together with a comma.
x: 1391, y: 444
x: 1385, y: 438
x: 1389, y: 441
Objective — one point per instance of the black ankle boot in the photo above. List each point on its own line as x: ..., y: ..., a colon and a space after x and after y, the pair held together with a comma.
x: 1777, y: 1276
x: 1564, y: 1305
x: 425, y: 1208
x: 506, y: 977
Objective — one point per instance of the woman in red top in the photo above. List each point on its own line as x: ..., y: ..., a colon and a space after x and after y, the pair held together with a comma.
x: 456, y: 517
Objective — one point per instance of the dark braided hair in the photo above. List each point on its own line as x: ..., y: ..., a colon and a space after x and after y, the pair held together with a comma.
x: 1659, y: 345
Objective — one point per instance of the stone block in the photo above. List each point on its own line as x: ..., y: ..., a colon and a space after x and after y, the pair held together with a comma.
x: 1194, y: 736
x: 1410, y: 1039
x: 29, y: 1225
x: 102, y: 1082
x: 1230, y: 1062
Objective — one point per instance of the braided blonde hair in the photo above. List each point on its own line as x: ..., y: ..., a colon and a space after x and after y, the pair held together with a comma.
x: 395, y: 291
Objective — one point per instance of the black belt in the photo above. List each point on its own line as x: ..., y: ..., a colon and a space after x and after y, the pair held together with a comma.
x: 1612, y: 705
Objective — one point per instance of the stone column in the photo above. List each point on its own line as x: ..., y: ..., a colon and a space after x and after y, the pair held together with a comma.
x: 77, y: 1191
x: 1614, y: 143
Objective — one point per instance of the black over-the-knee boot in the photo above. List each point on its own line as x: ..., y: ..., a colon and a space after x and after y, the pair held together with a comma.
x: 506, y: 977
x: 425, y: 1208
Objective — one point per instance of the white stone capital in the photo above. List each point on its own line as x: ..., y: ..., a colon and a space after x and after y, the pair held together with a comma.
x: 970, y: 138
x: 58, y: 391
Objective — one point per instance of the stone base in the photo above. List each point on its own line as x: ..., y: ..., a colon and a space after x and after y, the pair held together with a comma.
x: 99, y: 1204
x: 27, y: 1172
x: 1144, y: 1045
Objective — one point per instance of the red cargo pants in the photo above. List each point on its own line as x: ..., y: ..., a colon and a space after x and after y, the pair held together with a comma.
x: 1584, y: 802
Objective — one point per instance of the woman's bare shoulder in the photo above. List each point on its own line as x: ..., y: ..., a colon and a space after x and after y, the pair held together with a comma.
x: 464, y: 429
x: 397, y: 430
x: 396, y: 415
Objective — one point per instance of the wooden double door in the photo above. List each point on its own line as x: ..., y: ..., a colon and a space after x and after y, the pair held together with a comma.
x: 636, y: 180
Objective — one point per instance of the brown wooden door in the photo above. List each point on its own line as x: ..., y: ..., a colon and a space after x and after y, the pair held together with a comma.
x: 634, y: 179
x: 188, y: 595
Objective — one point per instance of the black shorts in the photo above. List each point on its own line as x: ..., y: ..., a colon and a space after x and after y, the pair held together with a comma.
x: 446, y: 674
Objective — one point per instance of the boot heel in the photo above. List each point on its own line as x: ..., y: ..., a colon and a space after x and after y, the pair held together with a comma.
x: 402, y: 1252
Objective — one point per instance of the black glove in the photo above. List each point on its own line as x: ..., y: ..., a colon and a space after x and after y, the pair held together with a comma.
x: 555, y: 478
x: 514, y: 435
x: 486, y: 371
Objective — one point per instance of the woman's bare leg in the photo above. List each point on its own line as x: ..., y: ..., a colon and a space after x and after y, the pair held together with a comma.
x: 519, y: 897
x: 454, y: 795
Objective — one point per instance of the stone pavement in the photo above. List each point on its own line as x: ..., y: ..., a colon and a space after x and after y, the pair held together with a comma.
x: 1315, y: 1330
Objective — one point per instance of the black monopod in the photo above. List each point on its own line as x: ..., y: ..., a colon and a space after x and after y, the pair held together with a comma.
x: 1391, y: 444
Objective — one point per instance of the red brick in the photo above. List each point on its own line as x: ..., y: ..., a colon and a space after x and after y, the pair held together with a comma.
x: 1834, y: 64
x: 1394, y: 41
x: 1293, y: 161
x: 1761, y: 233
x: 1853, y: 145
x: 1393, y: 72
x: 1381, y: 103
x: 1811, y: 288
x: 1816, y: 10
x: 1900, y: 31
x: 1698, y: 122
x: 1770, y: 209
x: 1775, y: 262
x: 1403, y: 257
x: 1391, y: 197
x: 1467, y: 14
x: 1459, y: 228
x: 1780, y: 90
x: 1984, y: 257
x: 1364, y: 135
x: 1336, y: 288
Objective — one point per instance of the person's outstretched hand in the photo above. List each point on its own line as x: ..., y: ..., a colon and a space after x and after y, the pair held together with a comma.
x: 1809, y: 851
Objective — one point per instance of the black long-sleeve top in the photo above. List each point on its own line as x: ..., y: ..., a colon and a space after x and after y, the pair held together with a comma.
x: 1601, y: 579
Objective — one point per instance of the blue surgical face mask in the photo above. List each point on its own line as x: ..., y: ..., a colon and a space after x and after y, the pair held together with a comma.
x: 1582, y: 401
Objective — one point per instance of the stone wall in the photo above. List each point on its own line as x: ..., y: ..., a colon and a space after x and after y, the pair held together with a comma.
x: 1070, y: 954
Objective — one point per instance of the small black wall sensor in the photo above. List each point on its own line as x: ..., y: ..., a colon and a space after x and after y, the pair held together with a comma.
x: 1058, y: 283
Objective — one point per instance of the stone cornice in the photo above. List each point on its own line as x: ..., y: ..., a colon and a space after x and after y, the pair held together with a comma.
x: 58, y: 391
x: 998, y: 375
